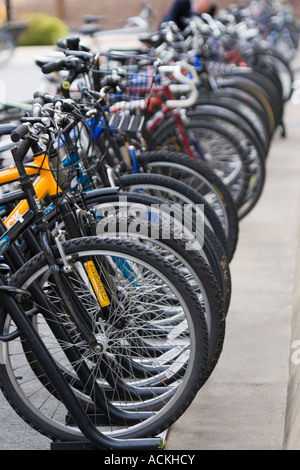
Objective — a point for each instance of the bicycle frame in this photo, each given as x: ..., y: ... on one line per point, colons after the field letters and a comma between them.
x: 158, y: 117
x: 43, y: 186
x: 21, y: 217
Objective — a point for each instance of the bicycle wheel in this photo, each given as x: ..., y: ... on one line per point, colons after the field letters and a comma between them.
x: 243, y: 110
x: 153, y: 334
x: 275, y: 62
x: 254, y: 104
x: 201, y: 178
x: 175, y: 192
x: 203, y: 240
x: 242, y: 83
x: 255, y: 154
x: 190, y: 264
x: 105, y: 205
x: 213, y: 144
x: 165, y: 237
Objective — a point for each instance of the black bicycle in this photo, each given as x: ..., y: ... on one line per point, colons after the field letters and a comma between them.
x: 102, y: 340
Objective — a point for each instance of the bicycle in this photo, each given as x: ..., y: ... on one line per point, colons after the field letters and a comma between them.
x: 59, y: 276
x: 240, y: 170
x: 45, y: 187
x: 227, y: 214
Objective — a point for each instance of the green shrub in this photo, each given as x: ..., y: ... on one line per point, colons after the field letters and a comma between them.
x: 42, y: 30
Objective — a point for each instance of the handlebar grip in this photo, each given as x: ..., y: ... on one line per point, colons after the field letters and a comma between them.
x: 83, y: 55
x: 73, y: 42
x: 55, y: 66
x: 19, y: 133
x: 44, y: 96
x: 62, y: 43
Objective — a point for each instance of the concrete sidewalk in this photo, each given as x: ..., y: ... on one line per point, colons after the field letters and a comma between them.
x: 251, y: 400
x: 245, y: 405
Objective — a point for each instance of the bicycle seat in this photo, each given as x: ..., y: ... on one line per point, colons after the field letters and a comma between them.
x: 89, y: 28
x: 93, y: 19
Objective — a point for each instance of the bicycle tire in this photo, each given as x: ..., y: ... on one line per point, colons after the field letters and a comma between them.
x: 244, y: 97
x: 212, y: 143
x: 256, y: 155
x: 244, y: 84
x: 200, y: 177
x: 105, y: 204
x: 281, y: 69
x: 207, y: 243
x: 174, y: 192
x: 196, y: 271
x: 30, y: 411
x: 246, y: 111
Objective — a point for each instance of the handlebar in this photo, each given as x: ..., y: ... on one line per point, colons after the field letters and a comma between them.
x: 44, y: 96
x: 83, y: 55
x: 19, y: 133
x: 76, y: 61
x: 66, y: 104
x: 72, y: 43
x: 31, y: 128
x: 56, y: 66
x: 186, y: 84
x: 125, y: 56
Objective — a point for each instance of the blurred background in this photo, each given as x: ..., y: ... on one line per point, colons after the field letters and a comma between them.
x: 72, y: 11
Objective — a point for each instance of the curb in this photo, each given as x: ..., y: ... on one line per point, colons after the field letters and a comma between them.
x: 252, y: 400
x: 292, y: 420
x: 291, y: 439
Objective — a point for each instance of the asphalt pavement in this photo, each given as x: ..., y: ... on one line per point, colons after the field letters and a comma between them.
x: 251, y: 400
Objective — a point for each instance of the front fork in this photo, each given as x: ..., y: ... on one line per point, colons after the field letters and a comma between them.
x: 190, y: 143
x: 72, y: 304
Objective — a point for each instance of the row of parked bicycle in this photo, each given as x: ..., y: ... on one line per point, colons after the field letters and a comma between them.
x: 122, y: 216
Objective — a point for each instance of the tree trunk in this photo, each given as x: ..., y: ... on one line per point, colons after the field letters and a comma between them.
x: 8, y: 10
x: 60, y: 9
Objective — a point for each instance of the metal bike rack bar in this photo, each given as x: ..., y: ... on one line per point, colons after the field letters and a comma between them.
x: 86, y: 445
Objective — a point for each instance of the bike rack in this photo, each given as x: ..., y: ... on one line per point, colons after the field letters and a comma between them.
x: 86, y: 445
x: 95, y: 440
